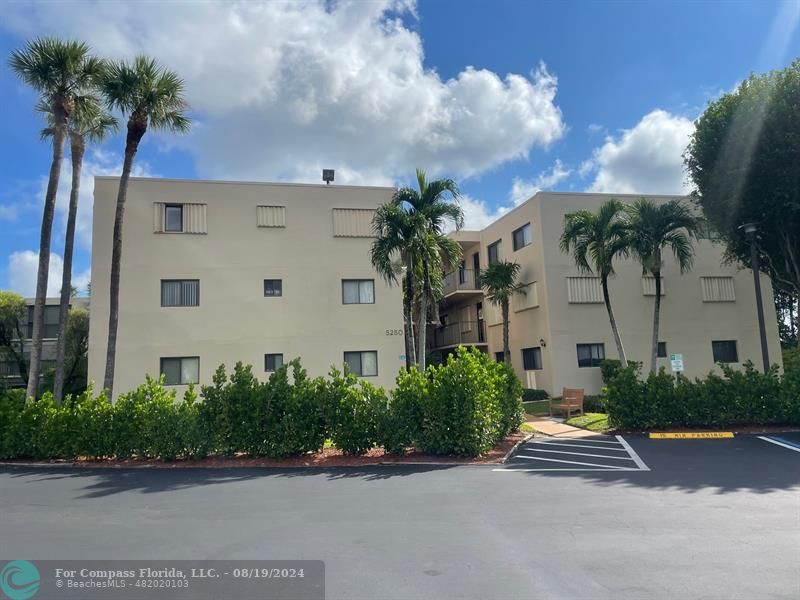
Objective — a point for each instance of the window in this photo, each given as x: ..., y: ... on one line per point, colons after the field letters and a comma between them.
x: 358, y: 291
x: 522, y: 236
x: 173, y: 217
x: 363, y: 364
x: 273, y: 362
x: 494, y: 252
x: 500, y: 357
x: 181, y: 370
x: 532, y: 359
x: 590, y: 355
x: 180, y: 292
x: 50, y: 325
x: 273, y: 287
x: 662, y: 350
x: 725, y: 351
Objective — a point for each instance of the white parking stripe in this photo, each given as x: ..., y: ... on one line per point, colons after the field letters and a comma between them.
x: 578, y: 446
x: 639, y: 462
x: 578, y: 454
x: 586, y: 440
x: 779, y: 443
x: 513, y: 470
x: 572, y: 462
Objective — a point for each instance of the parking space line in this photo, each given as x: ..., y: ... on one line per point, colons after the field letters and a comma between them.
x: 523, y: 470
x: 781, y: 442
x: 578, y: 446
x: 581, y: 454
x: 585, y: 440
x: 635, y: 457
x: 571, y: 462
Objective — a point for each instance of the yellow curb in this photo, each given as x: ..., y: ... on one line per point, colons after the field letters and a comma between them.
x: 688, y: 435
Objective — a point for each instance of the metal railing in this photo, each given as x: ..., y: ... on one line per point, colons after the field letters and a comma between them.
x: 465, y: 332
x: 460, y: 280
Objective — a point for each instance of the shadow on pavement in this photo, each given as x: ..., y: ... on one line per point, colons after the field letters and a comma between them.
x: 104, y: 481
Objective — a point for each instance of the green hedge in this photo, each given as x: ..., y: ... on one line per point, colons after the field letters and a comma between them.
x: 462, y: 407
x: 532, y: 395
x: 744, y: 396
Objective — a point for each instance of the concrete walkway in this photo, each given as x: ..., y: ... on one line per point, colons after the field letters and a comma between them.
x: 554, y: 428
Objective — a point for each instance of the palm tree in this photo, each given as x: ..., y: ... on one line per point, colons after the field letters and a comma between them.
x: 595, y: 240
x: 59, y: 71
x: 432, y: 211
x: 653, y: 229
x: 500, y: 281
x: 396, y: 233
x: 89, y: 122
x: 151, y: 96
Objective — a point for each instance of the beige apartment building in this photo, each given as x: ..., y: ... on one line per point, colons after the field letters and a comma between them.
x: 217, y: 272
x: 559, y: 329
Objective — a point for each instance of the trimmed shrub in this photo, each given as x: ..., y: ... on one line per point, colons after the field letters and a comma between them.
x: 402, y: 427
x: 744, y: 396
x: 358, y: 410
x: 529, y: 395
x: 512, y: 415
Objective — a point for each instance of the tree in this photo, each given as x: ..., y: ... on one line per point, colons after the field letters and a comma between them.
x: 76, y: 348
x: 152, y: 97
x: 743, y: 161
x: 652, y: 230
x: 59, y: 71
x: 13, y: 313
x: 500, y: 281
x: 595, y: 241
x: 90, y: 123
x: 431, y: 208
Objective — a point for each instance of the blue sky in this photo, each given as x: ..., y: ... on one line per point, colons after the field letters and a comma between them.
x: 507, y: 97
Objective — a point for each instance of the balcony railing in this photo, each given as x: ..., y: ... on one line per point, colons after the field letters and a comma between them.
x: 455, y: 334
x: 460, y: 280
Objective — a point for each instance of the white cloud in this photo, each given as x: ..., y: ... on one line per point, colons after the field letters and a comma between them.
x: 645, y: 159
x: 478, y: 214
x: 282, y: 89
x: 522, y: 189
x: 22, y: 269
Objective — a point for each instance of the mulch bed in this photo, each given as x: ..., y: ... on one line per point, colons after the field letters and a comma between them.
x: 329, y: 457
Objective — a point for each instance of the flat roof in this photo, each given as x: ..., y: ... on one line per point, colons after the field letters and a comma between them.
x: 232, y: 181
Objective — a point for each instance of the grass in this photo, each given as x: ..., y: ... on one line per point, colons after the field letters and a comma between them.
x: 537, y: 407
x: 590, y: 421
x: 527, y: 428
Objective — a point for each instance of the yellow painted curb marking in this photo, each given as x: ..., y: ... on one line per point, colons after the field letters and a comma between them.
x: 691, y: 435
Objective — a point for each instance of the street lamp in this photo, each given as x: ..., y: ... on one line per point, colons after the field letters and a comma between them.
x: 750, y: 230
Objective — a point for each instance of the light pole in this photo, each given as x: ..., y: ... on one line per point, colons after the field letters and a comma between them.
x: 750, y: 230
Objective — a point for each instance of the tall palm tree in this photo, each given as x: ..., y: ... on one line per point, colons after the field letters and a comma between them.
x: 58, y: 70
x: 396, y: 233
x: 152, y: 97
x: 652, y: 230
x: 500, y: 282
x: 595, y: 240
x: 89, y: 122
x: 433, y: 207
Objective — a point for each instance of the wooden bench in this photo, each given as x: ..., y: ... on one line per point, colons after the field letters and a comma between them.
x: 571, y: 400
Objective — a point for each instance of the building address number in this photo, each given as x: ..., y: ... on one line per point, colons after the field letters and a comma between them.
x: 394, y: 332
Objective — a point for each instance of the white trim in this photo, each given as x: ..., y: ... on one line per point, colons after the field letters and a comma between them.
x: 635, y: 457
x: 571, y: 462
x: 577, y: 454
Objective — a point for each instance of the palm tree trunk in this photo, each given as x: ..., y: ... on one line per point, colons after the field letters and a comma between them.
x: 116, y: 260
x: 408, y: 302
x: 77, y: 149
x: 35, y: 368
x: 656, y: 317
x: 423, y: 320
x: 506, y: 347
x: 613, y: 321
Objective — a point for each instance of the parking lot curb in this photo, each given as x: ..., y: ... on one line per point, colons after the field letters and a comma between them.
x: 511, y: 452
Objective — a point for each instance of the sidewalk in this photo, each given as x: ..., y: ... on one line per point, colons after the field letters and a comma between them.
x: 553, y: 428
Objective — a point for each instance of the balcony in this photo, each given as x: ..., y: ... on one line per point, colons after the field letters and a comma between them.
x: 467, y: 333
x: 461, y: 283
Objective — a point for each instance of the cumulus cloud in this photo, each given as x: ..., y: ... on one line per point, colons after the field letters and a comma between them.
x: 282, y: 89
x: 478, y: 214
x: 8, y: 212
x: 22, y: 269
x: 644, y: 159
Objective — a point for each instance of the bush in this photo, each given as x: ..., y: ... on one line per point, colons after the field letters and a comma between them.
x: 744, y: 396
x: 791, y: 360
x: 403, y: 424
x: 512, y: 415
x: 529, y: 395
x: 358, y: 410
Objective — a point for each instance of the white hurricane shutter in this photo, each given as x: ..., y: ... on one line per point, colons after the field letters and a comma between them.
x: 584, y: 290
x: 649, y: 286
x: 158, y: 217
x: 718, y: 289
x: 271, y: 216
x: 194, y: 218
x: 353, y: 222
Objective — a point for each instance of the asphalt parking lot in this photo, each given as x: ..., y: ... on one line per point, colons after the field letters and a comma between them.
x: 709, y: 519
